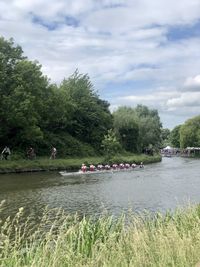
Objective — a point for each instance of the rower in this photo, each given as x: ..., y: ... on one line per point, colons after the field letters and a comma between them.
x: 99, y: 167
x: 121, y: 166
x: 127, y: 166
x: 114, y: 166
x: 107, y: 167
x: 92, y: 168
x: 133, y: 165
x: 83, y: 168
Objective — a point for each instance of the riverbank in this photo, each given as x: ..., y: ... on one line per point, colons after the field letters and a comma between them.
x: 135, y: 240
x: 70, y: 164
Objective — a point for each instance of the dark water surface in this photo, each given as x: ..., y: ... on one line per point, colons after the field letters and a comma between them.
x: 158, y: 187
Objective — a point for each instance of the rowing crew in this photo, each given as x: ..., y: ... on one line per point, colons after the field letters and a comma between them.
x: 107, y: 167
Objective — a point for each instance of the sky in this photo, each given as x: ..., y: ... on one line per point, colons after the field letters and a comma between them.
x: 135, y: 51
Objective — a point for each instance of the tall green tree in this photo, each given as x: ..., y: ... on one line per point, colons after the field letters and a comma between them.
x: 149, y: 127
x: 175, y: 136
x: 25, y: 104
x: 91, y: 116
x: 127, y: 128
x: 190, y: 133
x: 165, y: 137
x: 139, y: 128
x: 10, y: 55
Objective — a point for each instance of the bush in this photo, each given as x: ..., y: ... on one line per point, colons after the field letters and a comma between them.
x: 66, y: 146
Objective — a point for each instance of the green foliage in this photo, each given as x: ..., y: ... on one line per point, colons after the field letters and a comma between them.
x: 66, y: 145
x: 149, y: 127
x: 190, y: 133
x: 70, y: 116
x: 127, y: 127
x: 35, y: 113
x: 175, y: 136
x: 165, y: 137
x: 91, y: 117
x: 22, y: 97
x: 138, y: 128
x: 110, y: 144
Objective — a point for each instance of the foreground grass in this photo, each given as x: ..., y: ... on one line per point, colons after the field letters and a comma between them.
x: 41, y: 164
x: 169, y: 240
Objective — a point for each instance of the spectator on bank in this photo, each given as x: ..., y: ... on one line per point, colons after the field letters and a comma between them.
x: 5, y: 153
x: 53, y: 153
x: 31, y: 153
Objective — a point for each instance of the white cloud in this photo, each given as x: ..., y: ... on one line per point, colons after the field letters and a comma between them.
x: 143, y: 13
x: 115, y: 41
x: 187, y: 99
x: 192, y: 84
x: 168, y: 101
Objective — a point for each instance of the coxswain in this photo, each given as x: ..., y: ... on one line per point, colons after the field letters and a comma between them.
x: 83, y: 168
x: 141, y: 165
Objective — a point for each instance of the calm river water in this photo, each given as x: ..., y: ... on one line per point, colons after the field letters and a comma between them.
x: 158, y: 187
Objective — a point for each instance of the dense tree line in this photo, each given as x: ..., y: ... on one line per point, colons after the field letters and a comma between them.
x: 138, y: 129
x: 71, y: 116
x: 185, y: 135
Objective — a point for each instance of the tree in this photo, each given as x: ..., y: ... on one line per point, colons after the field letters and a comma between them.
x: 139, y: 128
x: 91, y: 117
x: 149, y: 127
x: 190, y: 133
x: 110, y: 144
x: 165, y: 135
x: 37, y: 113
x: 127, y: 128
x: 9, y: 56
x: 25, y: 104
x: 71, y: 116
x: 175, y: 136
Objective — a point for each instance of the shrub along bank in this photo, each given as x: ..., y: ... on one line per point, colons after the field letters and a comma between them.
x: 70, y: 164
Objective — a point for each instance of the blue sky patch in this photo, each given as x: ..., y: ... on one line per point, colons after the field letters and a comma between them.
x: 50, y: 25
x: 112, y: 5
x: 53, y: 25
x: 177, y: 33
x: 71, y: 21
x: 144, y: 66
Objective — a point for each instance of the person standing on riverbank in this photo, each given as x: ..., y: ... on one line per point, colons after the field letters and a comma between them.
x: 31, y: 153
x: 53, y: 153
x: 5, y: 153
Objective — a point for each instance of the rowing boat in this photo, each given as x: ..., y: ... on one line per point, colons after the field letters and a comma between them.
x: 65, y: 173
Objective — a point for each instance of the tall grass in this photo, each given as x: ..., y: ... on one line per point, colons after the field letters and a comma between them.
x: 63, y: 240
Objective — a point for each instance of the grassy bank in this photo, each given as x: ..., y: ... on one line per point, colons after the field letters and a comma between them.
x: 44, y: 164
x: 168, y: 240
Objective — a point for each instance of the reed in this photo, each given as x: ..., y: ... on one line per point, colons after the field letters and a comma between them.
x: 133, y: 240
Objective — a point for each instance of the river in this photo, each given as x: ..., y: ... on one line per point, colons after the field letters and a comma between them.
x: 158, y: 187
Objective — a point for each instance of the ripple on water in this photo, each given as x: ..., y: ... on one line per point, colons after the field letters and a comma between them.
x: 157, y: 187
